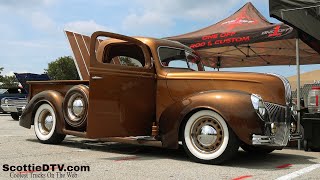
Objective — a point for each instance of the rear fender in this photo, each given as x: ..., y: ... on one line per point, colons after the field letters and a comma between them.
x: 234, y: 106
x: 53, y: 98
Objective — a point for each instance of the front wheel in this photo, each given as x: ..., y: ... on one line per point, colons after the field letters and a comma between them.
x: 45, y: 122
x: 208, y: 139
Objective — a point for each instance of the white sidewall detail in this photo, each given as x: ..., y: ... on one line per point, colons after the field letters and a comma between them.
x: 36, y: 121
x: 189, y: 144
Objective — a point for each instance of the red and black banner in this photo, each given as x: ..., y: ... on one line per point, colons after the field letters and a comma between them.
x: 246, y: 38
x: 272, y: 33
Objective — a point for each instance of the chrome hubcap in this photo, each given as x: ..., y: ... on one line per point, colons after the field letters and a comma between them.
x: 45, y: 122
x: 76, y: 107
x: 206, y: 134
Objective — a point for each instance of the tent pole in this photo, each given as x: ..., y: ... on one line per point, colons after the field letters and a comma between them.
x: 298, y: 88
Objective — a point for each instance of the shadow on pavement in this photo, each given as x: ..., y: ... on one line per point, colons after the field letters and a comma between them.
x: 141, y: 153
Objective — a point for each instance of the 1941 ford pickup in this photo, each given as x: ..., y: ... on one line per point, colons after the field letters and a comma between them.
x: 156, y: 92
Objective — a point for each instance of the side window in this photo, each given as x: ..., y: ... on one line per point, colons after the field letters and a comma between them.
x: 124, y: 54
x: 171, y: 57
x: 193, y: 61
x: 179, y: 58
x: 126, y: 61
x: 176, y: 64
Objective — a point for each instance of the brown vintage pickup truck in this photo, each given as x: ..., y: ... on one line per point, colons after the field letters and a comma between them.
x: 156, y: 92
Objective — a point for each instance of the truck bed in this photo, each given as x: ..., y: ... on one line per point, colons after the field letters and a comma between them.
x: 61, y: 86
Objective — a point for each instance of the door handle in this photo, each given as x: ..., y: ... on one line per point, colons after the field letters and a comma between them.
x: 96, y: 77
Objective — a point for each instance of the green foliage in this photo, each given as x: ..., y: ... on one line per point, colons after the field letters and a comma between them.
x: 62, y: 69
x: 7, y: 81
x: 128, y: 61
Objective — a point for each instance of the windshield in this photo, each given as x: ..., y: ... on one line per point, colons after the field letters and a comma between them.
x: 179, y: 58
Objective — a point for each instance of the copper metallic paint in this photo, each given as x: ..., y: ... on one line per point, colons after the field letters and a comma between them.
x: 51, y: 97
x: 166, y: 96
x: 234, y: 106
x: 122, y: 102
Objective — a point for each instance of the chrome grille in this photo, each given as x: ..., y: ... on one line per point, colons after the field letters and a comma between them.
x: 277, y: 113
x: 287, y: 88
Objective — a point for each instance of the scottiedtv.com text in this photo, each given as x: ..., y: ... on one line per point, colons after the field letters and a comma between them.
x: 44, y: 171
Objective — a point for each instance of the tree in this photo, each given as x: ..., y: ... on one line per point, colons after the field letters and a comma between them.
x: 62, y: 68
x: 8, y: 81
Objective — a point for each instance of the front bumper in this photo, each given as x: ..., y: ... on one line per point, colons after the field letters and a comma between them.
x: 9, y: 108
x: 271, y: 140
x: 12, y: 108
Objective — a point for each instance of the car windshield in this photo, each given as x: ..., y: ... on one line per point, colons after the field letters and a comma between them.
x: 2, y: 91
x: 179, y: 58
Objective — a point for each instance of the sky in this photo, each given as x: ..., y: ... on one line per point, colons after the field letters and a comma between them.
x: 31, y: 31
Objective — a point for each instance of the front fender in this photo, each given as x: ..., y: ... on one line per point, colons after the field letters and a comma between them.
x: 53, y: 98
x: 234, y: 106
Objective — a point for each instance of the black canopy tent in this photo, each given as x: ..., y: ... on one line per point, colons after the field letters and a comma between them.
x: 245, y: 39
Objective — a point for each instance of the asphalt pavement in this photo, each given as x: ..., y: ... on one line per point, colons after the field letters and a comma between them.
x: 107, y: 160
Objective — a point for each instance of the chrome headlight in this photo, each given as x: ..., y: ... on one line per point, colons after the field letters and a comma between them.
x: 259, y: 105
x: 6, y: 101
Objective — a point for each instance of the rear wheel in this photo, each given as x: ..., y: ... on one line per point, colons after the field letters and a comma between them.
x: 75, y: 107
x: 15, y: 116
x: 45, y: 122
x: 208, y: 139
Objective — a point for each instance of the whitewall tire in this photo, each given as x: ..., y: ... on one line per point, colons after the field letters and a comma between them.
x: 45, y: 122
x: 207, y: 138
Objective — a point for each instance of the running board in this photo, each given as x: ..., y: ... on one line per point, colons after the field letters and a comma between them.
x: 140, y: 140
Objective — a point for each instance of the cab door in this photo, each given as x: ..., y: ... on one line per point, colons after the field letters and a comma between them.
x: 122, y: 95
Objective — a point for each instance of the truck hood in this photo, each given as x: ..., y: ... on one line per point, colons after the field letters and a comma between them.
x: 270, y: 87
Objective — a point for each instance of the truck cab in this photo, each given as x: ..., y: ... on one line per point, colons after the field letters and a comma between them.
x: 156, y: 92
